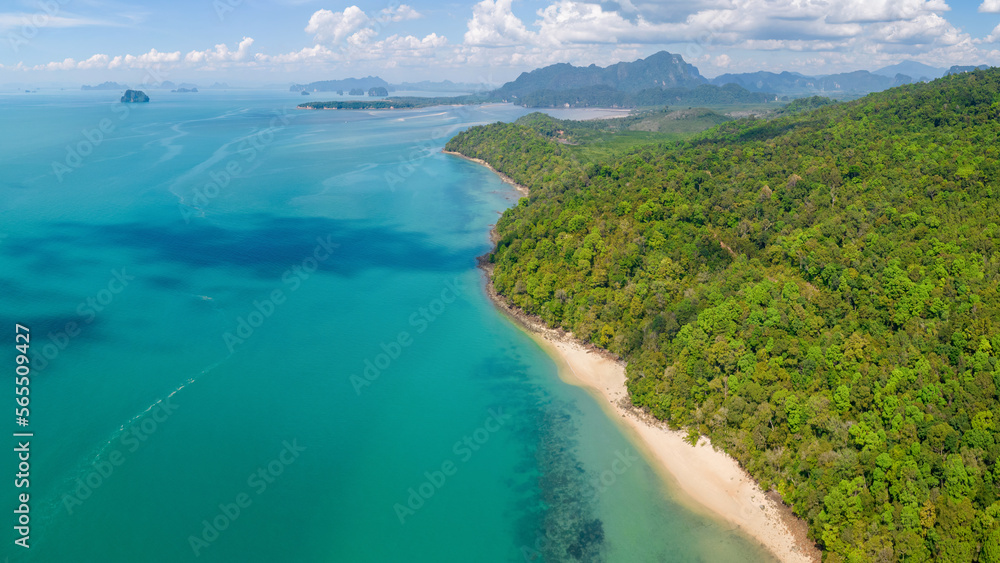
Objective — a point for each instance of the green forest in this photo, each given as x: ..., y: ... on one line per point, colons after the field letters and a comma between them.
x: 817, y: 292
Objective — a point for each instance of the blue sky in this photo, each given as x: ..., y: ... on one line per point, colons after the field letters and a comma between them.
x: 277, y: 41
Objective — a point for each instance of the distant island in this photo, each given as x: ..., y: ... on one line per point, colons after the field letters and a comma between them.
x: 351, y: 84
x: 378, y: 91
x: 304, y: 93
x: 185, y: 90
x: 134, y: 97
x: 402, y: 102
x: 105, y: 86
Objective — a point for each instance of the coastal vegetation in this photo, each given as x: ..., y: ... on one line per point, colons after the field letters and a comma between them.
x: 817, y: 292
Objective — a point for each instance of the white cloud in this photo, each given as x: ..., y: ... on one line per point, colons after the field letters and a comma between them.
x: 990, y: 6
x: 412, y: 43
x: 221, y: 53
x: 995, y: 36
x: 924, y: 29
x: 10, y: 20
x: 869, y: 11
x: 493, y: 24
x: 862, y: 30
x: 399, y: 13
x: 96, y: 61
x: 316, y: 53
x: 567, y: 21
x: 152, y: 58
x: 333, y: 27
x: 66, y: 64
x: 716, y: 34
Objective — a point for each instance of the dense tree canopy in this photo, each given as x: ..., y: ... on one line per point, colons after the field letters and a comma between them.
x: 816, y: 292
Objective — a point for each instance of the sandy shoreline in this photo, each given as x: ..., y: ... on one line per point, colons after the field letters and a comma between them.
x: 706, y: 479
x: 507, y: 179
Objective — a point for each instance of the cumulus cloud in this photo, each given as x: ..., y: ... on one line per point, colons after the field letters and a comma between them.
x: 990, y: 6
x: 65, y: 64
x: 152, y: 58
x: 995, y: 36
x: 719, y: 34
x: 96, y: 61
x: 924, y: 29
x: 316, y: 53
x: 221, y: 53
x: 399, y: 13
x: 157, y: 59
x: 493, y: 24
x: 870, y: 11
x: 863, y: 30
x: 334, y: 27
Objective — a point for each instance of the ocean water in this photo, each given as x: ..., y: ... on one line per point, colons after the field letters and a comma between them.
x: 258, y: 334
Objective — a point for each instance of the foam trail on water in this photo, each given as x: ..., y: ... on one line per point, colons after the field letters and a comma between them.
x: 55, y: 502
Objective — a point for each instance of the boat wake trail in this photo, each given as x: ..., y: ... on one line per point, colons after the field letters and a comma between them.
x: 83, y: 480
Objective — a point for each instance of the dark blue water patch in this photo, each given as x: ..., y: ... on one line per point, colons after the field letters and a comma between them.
x: 168, y: 283
x: 41, y: 325
x: 51, y: 336
x: 270, y: 247
x: 22, y: 291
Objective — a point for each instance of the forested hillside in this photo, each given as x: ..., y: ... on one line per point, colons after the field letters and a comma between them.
x: 816, y: 292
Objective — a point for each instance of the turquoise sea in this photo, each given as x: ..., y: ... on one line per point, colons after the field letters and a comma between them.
x: 258, y: 334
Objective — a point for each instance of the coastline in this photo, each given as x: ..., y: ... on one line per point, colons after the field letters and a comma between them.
x: 707, y: 479
x: 507, y: 179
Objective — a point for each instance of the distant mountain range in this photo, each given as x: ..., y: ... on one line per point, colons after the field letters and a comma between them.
x: 345, y: 84
x: 443, y: 86
x: 666, y: 71
x: 916, y: 70
x: 660, y: 79
x: 793, y: 83
x: 105, y: 86
x: 660, y: 70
